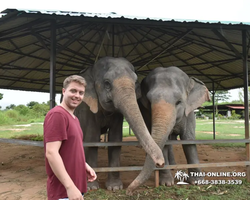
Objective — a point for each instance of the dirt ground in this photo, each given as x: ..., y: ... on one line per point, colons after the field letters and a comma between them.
x: 22, y: 171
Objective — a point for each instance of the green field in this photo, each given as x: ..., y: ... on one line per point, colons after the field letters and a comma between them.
x: 225, y: 129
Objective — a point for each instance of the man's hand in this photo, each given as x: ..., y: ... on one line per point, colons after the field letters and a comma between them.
x: 91, y: 175
x: 73, y: 193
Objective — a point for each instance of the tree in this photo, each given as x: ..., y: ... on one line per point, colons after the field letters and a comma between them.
x: 222, y: 95
x: 31, y: 104
x: 11, y: 106
x: 1, y: 96
x: 241, y: 95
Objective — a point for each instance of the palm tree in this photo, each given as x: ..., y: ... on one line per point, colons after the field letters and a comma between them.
x: 178, y: 174
x: 185, y: 176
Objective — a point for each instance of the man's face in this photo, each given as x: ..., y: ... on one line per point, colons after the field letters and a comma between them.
x: 73, y: 95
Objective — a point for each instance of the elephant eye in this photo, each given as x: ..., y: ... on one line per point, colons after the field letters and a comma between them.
x: 107, y: 85
x: 178, y: 102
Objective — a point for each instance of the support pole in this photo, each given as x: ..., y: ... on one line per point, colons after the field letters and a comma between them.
x: 213, y: 113
x: 246, y: 106
x: 113, y: 40
x: 157, y: 179
x: 52, y: 64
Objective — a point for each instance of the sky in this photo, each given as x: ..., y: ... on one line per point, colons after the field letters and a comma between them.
x: 218, y: 10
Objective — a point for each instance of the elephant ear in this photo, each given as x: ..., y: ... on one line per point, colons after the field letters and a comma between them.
x: 197, y: 94
x: 90, y: 97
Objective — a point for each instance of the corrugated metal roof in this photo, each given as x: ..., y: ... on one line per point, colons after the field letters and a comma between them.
x: 211, y: 52
x: 115, y: 15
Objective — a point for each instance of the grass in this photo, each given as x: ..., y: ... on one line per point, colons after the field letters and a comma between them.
x: 177, y: 192
x: 126, y: 130
x: 225, y: 129
x: 33, y: 131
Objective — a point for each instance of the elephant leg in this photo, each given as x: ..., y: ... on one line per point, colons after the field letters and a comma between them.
x: 171, y: 158
x: 115, y: 135
x: 190, y: 150
x: 166, y: 177
x: 91, y: 131
x: 192, y: 158
x: 91, y: 158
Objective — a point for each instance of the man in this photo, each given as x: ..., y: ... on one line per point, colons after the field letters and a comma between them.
x: 66, y: 168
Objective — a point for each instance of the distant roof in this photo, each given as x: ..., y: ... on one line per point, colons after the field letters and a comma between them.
x: 226, y: 106
x: 237, y: 107
x: 208, y: 50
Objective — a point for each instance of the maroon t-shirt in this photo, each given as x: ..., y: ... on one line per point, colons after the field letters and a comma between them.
x: 59, y: 125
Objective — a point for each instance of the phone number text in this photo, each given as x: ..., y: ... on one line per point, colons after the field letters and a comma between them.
x: 218, y: 182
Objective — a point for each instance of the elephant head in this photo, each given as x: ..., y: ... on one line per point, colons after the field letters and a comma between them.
x: 112, y: 86
x: 170, y: 95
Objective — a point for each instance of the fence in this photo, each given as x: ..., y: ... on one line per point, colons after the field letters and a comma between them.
x: 178, y: 166
x: 173, y: 142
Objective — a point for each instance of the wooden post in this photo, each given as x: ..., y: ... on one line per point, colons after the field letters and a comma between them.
x: 246, y: 106
x: 157, y: 178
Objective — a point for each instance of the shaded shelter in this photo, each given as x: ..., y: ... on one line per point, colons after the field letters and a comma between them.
x: 210, y: 51
x: 38, y: 49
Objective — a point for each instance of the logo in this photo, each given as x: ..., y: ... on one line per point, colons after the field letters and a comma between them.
x: 181, y: 176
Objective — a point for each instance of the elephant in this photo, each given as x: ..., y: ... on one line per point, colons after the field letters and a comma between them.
x: 168, y: 100
x: 111, y: 94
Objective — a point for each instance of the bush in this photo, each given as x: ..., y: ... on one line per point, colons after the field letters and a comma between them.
x: 12, y: 114
x: 4, y: 120
x: 234, y: 115
x: 220, y: 116
x: 22, y: 109
x: 40, y: 110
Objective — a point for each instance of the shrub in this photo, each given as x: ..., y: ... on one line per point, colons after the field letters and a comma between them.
x: 4, y: 120
x: 40, y: 110
x: 12, y: 114
x: 234, y: 115
x: 22, y: 109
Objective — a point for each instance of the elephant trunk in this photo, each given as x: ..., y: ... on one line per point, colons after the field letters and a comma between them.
x: 125, y: 100
x: 163, y: 118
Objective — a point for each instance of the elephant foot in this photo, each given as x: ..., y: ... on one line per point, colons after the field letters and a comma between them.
x: 194, y: 180
x: 114, y: 184
x: 195, y: 175
x: 166, y: 178
x: 93, y: 185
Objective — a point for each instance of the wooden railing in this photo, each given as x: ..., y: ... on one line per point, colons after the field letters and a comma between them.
x: 138, y: 168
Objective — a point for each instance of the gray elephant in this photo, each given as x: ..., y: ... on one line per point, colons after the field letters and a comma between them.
x: 168, y: 99
x: 110, y: 94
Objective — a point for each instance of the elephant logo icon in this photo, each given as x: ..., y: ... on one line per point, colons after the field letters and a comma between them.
x: 181, y: 176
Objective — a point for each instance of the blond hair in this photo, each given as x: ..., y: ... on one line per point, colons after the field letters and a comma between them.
x: 74, y: 78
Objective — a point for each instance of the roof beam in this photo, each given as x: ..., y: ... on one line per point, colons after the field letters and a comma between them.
x: 230, y: 46
x: 170, y: 45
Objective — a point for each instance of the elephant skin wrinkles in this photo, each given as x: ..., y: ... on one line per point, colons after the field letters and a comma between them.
x: 185, y: 94
x: 110, y: 94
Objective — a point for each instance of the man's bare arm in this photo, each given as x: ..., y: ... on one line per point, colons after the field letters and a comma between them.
x: 57, y: 166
